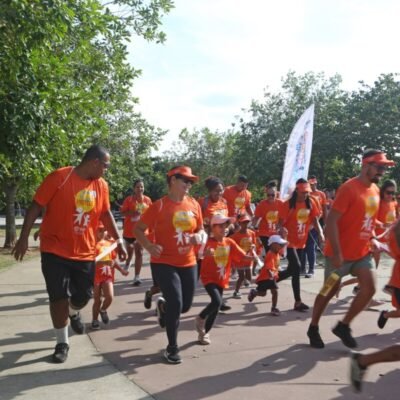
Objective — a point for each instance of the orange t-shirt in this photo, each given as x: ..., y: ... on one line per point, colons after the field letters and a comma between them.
x: 245, y: 241
x: 270, y: 213
x: 395, y: 253
x: 271, y: 263
x: 210, y: 208
x: 104, y: 269
x: 237, y: 201
x: 216, y: 268
x: 358, y: 206
x: 73, y: 209
x: 132, y: 204
x: 173, y: 223
x: 387, y: 215
x: 298, y: 221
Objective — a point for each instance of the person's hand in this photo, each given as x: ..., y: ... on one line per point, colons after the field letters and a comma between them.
x: 209, y: 252
x: 124, y: 272
x: 20, y: 249
x: 36, y: 235
x: 321, y: 239
x: 155, y: 250
x: 122, y: 255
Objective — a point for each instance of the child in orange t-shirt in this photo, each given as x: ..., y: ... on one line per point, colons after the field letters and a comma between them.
x: 104, y: 279
x: 269, y: 274
x: 247, y: 241
x: 219, y: 252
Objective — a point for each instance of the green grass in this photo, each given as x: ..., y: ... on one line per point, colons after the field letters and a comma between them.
x: 7, y: 260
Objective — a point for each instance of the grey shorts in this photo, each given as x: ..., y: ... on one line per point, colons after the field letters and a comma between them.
x: 348, y: 267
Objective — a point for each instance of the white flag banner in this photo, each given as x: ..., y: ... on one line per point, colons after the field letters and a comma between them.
x: 298, y: 153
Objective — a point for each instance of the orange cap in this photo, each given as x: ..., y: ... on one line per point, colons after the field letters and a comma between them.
x: 244, y: 218
x: 184, y: 171
x: 379, y: 158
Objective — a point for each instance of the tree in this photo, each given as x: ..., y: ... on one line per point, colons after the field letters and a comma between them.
x: 63, y: 79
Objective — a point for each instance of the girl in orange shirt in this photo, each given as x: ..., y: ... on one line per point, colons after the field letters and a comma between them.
x: 299, y: 212
x: 219, y: 252
x: 177, y: 226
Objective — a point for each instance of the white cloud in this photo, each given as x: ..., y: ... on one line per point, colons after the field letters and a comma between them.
x: 220, y: 54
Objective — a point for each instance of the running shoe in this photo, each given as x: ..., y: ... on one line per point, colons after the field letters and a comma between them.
x: 301, y: 307
x: 309, y: 275
x: 225, y: 307
x: 60, y: 354
x: 161, y: 311
x: 95, y: 325
x: 171, y: 354
x: 275, y: 312
x: 315, y: 338
x: 382, y: 319
x: 246, y: 283
x: 147, y: 299
x: 204, y: 339
x: 357, y: 372
x: 356, y: 289
x: 252, y: 294
x: 136, y: 281
x: 388, y: 290
x: 237, y: 295
x: 104, y: 317
x: 76, y: 324
x: 343, y: 332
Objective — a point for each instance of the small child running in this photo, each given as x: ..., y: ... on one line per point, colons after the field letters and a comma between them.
x: 269, y: 273
x: 219, y: 253
x: 247, y: 241
x: 104, y: 279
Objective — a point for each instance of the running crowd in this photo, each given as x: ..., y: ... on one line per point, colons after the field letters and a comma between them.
x: 211, y: 239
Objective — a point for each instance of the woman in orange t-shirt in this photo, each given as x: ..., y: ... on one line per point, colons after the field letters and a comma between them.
x: 387, y: 213
x: 132, y: 208
x: 177, y: 226
x: 218, y: 256
x: 299, y: 213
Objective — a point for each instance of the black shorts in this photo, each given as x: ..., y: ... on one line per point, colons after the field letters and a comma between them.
x: 129, y: 240
x: 263, y: 286
x: 396, y: 295
x: 68, y: 278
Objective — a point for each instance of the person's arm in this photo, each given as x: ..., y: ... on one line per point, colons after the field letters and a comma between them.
x: 31, y: 215
x: 109, y: 223
x: 154, y: 249
x: 319, y: 230
x: 332, y: 233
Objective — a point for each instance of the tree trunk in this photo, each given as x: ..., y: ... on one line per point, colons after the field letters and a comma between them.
x: 10, y: 190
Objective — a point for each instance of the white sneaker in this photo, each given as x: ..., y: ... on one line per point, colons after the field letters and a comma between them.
x: 237, y: 295
x: 204, y: 339
x: 136, y: 281
x: 200, y: 323
x: 246, y: 283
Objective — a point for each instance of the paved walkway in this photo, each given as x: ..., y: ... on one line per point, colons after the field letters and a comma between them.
x: 252, y: 356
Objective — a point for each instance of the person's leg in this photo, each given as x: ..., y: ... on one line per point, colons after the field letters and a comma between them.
x: 293, y: 270
x: 129, y: 245
x: 305, y: 255
x: 312, y: 250
x: 96, y: 302
x: 274, y: 293
x: 264, y: 241
x: 138, y: 259
x: 247, y: 274
x: 108, y: 293
x: 239, y: 281
x: 211, y: 311
x: 188, y: 279
x: 389, y: 354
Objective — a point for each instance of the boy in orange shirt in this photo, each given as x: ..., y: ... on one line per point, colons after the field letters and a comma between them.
x: 269, y: 273
x: 104, y: 278
x: 247, y: 241
x: 219, y: 252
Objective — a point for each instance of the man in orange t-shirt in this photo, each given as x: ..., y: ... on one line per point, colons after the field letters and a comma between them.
x: 76, y: 200
x: 238, y: 198
x: 349, y: 228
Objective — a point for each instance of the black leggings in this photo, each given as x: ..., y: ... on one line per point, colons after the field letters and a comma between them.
x: 211, y: 311
x: 177, y: 285
x: 293, y: 270
x: 264, y: 241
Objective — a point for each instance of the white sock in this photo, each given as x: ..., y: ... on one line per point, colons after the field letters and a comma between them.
x: 62, y: 335
x: 72, y: 311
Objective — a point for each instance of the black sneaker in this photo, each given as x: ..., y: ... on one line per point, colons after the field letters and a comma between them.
x: 382, y: 319
x: 343, y: 332
x: 161, y: 311
x: 104, y: 317
x: 225, y: 307
x: 147, y: 299
x: 60, y: 354
x: 315, y: 338
x: 301, y: 307
x: 171, y: 354
x: 76, y: 324
x: 357, y: 372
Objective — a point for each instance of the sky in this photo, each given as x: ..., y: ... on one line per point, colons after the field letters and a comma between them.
x: 222, y: 54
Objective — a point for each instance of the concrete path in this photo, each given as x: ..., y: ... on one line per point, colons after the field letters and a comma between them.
x: 253, y: 355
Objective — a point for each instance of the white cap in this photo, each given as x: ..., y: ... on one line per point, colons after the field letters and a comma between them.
x: 276, y: 239
x: 218, y: 219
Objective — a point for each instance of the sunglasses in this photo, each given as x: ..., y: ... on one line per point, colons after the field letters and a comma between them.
x: 184, y: 179
x: 392, y: 193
